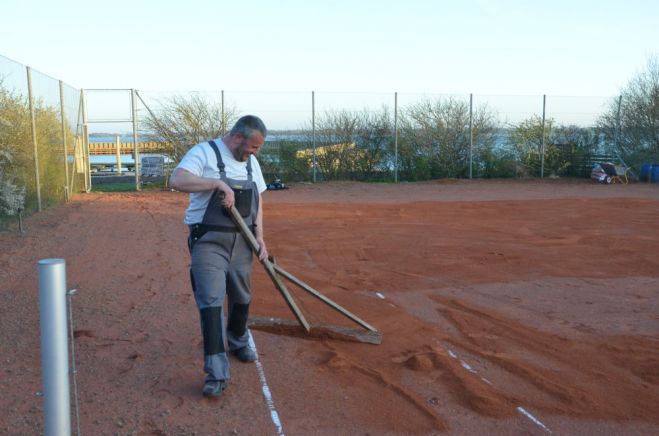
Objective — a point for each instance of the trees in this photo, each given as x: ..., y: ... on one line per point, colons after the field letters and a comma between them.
x: 435, y: 138
x: 526, y: 139
x: 283, y: 159
x: 335, y: 132
x: 12, y: 192
x: 637, y: 138
x: 354, y: 144
x: 17, y: 170
x: 183, y: 121
x: 567, y: 147
x: 15, y: 135
x: 433, y: 142
x: 374, y: 143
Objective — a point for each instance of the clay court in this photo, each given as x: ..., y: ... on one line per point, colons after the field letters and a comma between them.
x: 506, y: 307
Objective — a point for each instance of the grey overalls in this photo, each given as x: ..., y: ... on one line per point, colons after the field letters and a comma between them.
x: 222, y: 265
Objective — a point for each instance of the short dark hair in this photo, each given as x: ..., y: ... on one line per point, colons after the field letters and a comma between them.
x: 248, y: 125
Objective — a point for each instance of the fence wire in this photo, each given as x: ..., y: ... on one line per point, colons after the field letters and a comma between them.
x: 313, y: 136
x: 40, y: 126
x: 399, y: 136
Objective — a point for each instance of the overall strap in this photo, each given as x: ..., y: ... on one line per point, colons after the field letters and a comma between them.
x: 220, y: 162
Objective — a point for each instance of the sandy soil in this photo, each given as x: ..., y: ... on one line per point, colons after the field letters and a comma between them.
x: 506, y: 307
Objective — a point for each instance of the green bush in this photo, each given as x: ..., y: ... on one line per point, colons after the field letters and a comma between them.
x: 18, y: 185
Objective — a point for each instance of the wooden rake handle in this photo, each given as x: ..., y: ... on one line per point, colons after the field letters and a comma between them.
x: 254, y: 245
x: 323, y: 298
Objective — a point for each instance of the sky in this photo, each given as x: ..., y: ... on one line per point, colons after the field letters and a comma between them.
x: 507, y: 47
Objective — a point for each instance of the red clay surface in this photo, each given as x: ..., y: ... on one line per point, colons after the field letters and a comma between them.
x: 498, y: 295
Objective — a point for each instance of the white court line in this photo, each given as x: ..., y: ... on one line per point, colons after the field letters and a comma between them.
x: 466, y: 366
x: 266, y: 390
x: 532, y: 418
x: 487, y: 381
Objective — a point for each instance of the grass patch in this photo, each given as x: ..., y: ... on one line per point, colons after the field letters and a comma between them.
x: 124, y: 187
x: 113, y: 187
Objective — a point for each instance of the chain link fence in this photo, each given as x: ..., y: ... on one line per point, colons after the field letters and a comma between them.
x: 403, y: 136
x: 42, y: 155
x: 46, y: 128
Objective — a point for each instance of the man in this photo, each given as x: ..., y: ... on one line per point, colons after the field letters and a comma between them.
x: 219, y: 174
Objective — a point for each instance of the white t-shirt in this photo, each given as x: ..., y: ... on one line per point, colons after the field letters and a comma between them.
x: 201, y: 161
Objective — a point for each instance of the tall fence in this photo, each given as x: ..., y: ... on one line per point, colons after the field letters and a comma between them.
x: 46, y: 126
x: 400, y: 136
x: 42, y: 143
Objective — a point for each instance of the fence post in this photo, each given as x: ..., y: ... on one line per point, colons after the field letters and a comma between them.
x: 136, y: 148
x: 66, y: 154
x: 117, y: 140
x: 616, y: 139
x: 54, y: 347
x: 34, y: 136
x: 471, y: 134
x: 542, y: 158
x: 224, y: 124
x: 88, y: 165
x: 313, y: 132
x: 85, y: 141
x: 395, y: 137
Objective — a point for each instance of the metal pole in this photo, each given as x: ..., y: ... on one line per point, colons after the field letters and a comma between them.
x: 618, y: 119
x: 20, y: 221
x: 395, y: 137
x: 471, y: 135
x: 76, y: 403
x: 313, y: 131
x: 85, y: 141
x: 66, y: 157
x: 76, y: 142
x: 118, y: 143
x: 224, y: 124
x: 618, y: 132
x: 54, y: 347
x: 34, y: 136
x: 88, y: 165
x: 136, y: 149
x: 542, y: 158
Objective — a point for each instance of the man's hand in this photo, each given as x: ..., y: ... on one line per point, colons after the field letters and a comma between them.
x: 263, y: 254
x: 229, y: 197
x: 184, y: 181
